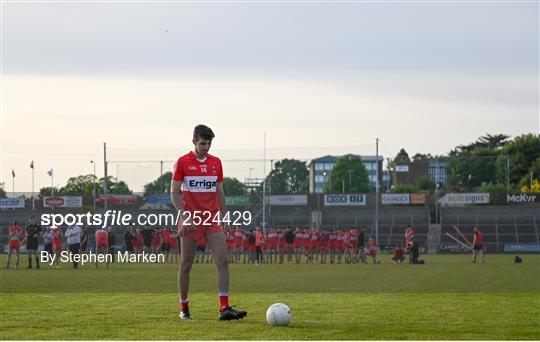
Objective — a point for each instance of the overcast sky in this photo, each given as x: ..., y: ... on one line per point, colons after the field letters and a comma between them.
x: 317, y: 78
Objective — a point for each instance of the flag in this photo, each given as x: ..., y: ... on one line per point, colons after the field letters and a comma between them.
x: 13, y: 173
x: 32, y: 164
x: 50, y: 172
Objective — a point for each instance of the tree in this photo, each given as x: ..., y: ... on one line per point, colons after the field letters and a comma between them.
x: 115, y: 188
x: 82, y: 185
x: 233, y: 187
x: 162, y: 185
x: 424, y: 183
x: 402, y: 157
x: 351, y: 171
x: 119, y: 188
x: 2, y: 191
x: 471, y: 165
x: 421, y: 156
x: 304, y: 186
x: 494, y: 142
x: 525, y: 183
x: 521, y: 153
x: 46, y: 191
x: 287, y: 176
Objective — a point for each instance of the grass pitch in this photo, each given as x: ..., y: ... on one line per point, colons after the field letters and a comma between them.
x: 447, y: 298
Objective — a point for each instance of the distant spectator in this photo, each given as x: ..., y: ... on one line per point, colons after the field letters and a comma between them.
x: 112, y: 243
x: 128, y: 241
x: 47, y: 241
x: 73, y: 239
x: 259, y: 236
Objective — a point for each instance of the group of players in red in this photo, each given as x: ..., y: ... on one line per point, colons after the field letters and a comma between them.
x: 275, y: 245
x: 279, y: 245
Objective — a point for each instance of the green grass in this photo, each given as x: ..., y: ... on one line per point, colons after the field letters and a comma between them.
x: 448, y: 298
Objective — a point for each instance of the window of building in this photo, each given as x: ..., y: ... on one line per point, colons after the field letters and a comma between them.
x: 319, y: 166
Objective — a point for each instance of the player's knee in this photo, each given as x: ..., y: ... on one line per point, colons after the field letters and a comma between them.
x: 221, y: 260
x: 187, y: 263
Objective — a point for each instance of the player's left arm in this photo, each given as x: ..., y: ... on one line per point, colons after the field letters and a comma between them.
x: 221, y: 199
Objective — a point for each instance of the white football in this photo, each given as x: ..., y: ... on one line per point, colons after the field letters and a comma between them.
x: 278, y: 315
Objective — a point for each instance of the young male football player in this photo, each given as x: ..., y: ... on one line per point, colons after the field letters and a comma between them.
x: 197, y: 187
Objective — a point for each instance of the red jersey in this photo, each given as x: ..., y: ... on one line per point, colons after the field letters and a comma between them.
x: 305, y: 239
x: 229, y: 235
x: 478, y: 238
x: 57, y: 236
x: 409, y: 236
x: 166, y: 236
x: 173, y: 241
x: 238, y: 235
x: 137, y: 240
x: 352, y: 239
x: 281, y: 239
x: 272, y: 239
x: 102, y: 237
x: 199, y: 182
x: 340, y: 241
x: 258, y: 238
x: 155, y: 238
x: 324, y: 239
x: 15, y: 233
x: 372, y: 245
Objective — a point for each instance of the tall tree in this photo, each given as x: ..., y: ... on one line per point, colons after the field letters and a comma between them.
x: 287, y: 176
x: 489, y: 141
x: 518, y: 156
x: 82, y: 185
x: 351, y: 171
x: 233, y: 187
x: 471, y: 165
x: 421, y: 156
x: 46, y: 191
x: 162, y: 185
x: 402, y: 157
x: 2, y: 191
x: 492, y: 141
x: 115, y: 188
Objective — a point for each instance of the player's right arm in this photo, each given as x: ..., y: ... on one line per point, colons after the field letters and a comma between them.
x: 176, y: 194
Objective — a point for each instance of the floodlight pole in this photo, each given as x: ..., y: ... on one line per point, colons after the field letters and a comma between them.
x: 105, y: 180
x: 264, y: 183
x: 377, y: 185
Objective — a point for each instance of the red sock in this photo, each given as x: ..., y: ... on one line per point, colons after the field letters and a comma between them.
x: 184, y: 306
x: 224, y: 302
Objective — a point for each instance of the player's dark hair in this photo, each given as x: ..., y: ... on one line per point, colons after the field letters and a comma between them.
x: 203, y: 132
